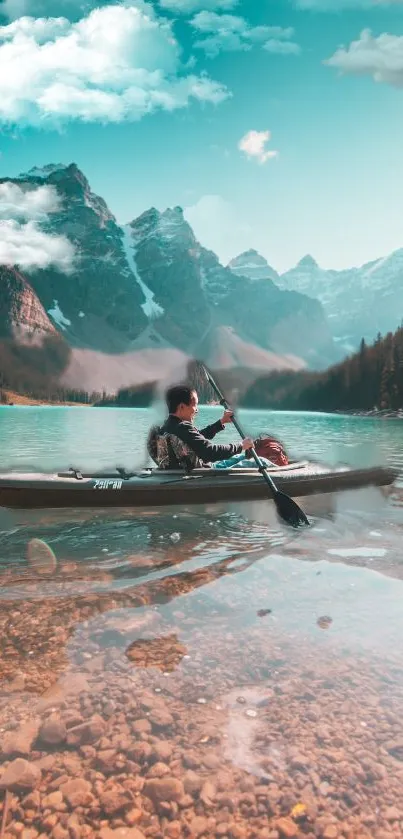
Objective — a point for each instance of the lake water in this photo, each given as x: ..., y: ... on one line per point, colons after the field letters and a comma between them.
x: 201, y: 672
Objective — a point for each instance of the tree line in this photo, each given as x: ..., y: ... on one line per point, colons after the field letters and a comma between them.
x: 35, y: 371
x: 371, y: 379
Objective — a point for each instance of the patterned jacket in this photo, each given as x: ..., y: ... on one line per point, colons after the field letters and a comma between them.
x: 179, y: 445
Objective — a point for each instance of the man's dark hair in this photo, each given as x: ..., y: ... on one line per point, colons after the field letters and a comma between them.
x: 178, y: 395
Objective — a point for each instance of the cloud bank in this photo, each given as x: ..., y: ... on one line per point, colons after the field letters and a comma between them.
x: 22, y: 242
x: 118, y: 63
x: 381, y: 58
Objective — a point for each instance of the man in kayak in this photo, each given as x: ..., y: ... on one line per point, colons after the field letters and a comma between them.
x: 178, y: 444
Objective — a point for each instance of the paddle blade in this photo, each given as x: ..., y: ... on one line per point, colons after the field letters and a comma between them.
x: 289, y: 511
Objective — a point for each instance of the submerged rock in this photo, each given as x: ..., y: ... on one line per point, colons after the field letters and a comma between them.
x: 20, y: 741
x: 164, y: 789
x: 20, y: 775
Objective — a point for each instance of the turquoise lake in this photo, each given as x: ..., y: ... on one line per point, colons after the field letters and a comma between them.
x: 224, y: 662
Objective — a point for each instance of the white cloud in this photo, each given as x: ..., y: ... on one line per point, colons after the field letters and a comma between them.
x: 282, y: 47
x: 119, y: 63
x: 253, y: 145
x: 189, y: 7
x: 22, y: 242
x: 231, y: 33
x: 42, y: 29
x: 28, y: 247
x: 218, y: 226
x: 33, y: 204
x: 381, y: 58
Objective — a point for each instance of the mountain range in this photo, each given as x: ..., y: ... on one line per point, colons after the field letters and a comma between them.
x: 358, y: 302
x: 142, y: 299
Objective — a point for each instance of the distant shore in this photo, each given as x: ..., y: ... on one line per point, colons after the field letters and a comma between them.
x: 19, y: 399
x: 384, y: 414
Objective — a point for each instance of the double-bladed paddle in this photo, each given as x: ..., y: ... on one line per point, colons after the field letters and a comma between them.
x: 287, y: 508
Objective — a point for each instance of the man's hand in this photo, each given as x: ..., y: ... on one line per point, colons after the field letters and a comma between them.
x: 247, y: 444
x: 227, y: 416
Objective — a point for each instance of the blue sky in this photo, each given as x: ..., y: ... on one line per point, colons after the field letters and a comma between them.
x: 276, y: 124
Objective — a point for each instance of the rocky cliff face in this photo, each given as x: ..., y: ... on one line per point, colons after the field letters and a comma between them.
x: 22, y: 315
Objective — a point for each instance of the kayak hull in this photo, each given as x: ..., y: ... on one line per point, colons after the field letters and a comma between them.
x: 151, y: 488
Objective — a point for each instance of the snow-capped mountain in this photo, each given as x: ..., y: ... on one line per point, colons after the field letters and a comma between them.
x: 149, y: 290
x: 41, y: 171
x: 254, y: 266
x: 197, y: 295
x: 359, y: 302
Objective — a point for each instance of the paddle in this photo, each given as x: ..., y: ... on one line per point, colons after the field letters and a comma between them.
x: 286, y: 507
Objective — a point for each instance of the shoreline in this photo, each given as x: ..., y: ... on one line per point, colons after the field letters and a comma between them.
x: 18, y: 399
x: 386, y: 413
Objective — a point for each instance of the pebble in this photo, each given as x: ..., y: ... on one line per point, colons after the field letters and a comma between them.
x: 208, y: 793
x: 20, y: 741
x: 142, y: 726
x: 133, y: 816
x: 330, y: 832
x: 192, y: 782
x: 161, y: 750
x: 161, y: 718
x: 77, y: 792
x: 20, y: 775
x: 53, y: 732
x: 114, y: 799
x: 287, y: 828
x: 54, y: 801
x: 86, y: 732
x: 198, y: 826
x: 159, y: 770
x: 164, y: 789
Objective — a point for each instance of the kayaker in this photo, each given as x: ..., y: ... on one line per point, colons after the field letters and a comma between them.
x: 178, y: 444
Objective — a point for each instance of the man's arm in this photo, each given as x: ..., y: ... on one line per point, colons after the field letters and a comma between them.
x: 206, y: 451
x: 211, y: 430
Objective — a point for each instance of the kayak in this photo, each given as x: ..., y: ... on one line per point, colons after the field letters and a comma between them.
x: 155, y: 488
